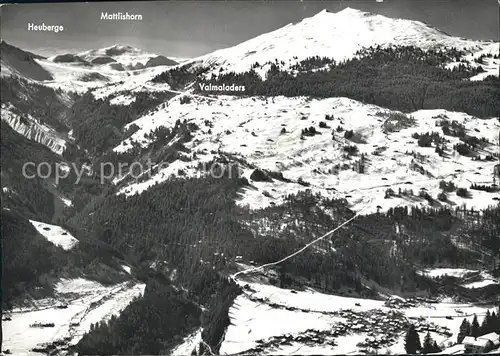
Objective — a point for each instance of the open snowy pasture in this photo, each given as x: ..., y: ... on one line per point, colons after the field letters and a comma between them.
x: 271, y: 320
x: 268, y: 134
x: 77, y: 303
x: 55, y: 234
x: 472, y: 279
x: 452, y: 272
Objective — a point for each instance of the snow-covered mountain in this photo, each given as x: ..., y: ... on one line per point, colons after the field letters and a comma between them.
x: 83, y: 70
x: 103, y: 67
x: 335, y: 35
x: 14, y: 61
x: 116, y: 57
x: 355, y: 157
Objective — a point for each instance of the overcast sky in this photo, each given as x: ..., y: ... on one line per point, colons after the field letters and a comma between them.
x: 192, y: 28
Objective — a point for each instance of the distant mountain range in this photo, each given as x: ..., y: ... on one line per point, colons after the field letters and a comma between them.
x: 107, y: 60
x: 118, y: 57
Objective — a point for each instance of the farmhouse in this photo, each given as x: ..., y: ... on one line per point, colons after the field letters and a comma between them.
x: 474, y: 345
x: 493, y: 337
x: 482, y: 343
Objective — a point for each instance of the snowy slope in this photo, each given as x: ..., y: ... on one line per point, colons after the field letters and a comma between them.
x: 32, y: 129
x: 486, y: 279
x: 270, y: 320
x: 127, y: 56
x: 71, y: 77
x: 251, y: 129
x: 14, y: 61
x: 334, y: 35
x: 76, y: 304
x: 55, y: 234
x: 102, y: 79
x: 132, y: 82
x: 491, y: 65
x: 116, y: 67
x: 189, y: 344
x: 452, y: 272
x: 469, y: 278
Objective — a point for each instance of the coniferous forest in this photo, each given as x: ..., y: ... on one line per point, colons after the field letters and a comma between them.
x: 401, y: 78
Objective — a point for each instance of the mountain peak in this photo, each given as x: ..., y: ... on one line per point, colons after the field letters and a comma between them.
x: 337, y: 35
x: 348, y: 12
x: 354, y: 12
x: 118, y: 49
x: 118, y: 46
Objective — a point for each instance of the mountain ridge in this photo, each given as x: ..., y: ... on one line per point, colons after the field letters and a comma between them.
x: 15, y: 61
x: 334, y: 35
x: 129, y: 57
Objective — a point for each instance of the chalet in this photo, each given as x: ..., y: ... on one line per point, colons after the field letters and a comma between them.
x: 479, y: 344
x: 494, y: 338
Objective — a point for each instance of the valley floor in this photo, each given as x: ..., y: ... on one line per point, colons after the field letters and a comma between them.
x: 270, y: 320
x: 77, y: 303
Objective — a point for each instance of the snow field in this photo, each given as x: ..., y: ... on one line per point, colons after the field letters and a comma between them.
x: 251, y: 128
x: 253, y: 320
x: 86, y: 302
x: 55, y: 234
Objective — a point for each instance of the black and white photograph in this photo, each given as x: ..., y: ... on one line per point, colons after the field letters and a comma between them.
x: 250, y: 177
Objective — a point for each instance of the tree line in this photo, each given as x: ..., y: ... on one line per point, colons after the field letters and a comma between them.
x: 401, y: 78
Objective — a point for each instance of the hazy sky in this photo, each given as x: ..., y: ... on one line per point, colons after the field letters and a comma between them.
x: 191, y: 28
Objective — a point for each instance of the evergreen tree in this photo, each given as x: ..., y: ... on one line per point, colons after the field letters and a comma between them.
x: 436, y: 348
x: 475, y: 329
x: 464, y: 330
x: 495, y: 320
x: 428, y: 345
x: 497, y: 324
x: 412, y: 340
x: 486, y: 325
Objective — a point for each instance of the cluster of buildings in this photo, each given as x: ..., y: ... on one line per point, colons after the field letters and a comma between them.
x: 488, y: 343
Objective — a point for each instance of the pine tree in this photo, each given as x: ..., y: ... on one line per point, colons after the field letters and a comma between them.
x: 464, y: 330
x: 435, y: 347
x: 495, y: 321
x: 475, y: 328
x: 412, y: 340
x: 428, y: 345
x: 486, y: 325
